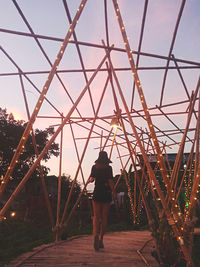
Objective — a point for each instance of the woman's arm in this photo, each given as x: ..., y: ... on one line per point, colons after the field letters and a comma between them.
x: 111, y: 184
x: 112, y: 187
x: 91, y: 180
x: 92, y: 175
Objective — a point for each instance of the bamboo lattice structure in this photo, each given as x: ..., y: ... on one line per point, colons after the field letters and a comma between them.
x: 107, y: 91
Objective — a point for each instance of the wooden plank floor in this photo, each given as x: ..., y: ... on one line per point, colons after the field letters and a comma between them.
x: 120, y: 251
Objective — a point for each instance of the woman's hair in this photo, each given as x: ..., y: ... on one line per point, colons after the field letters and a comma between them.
x: 103, y: 158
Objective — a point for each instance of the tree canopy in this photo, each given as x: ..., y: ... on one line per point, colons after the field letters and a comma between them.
x: 11, y: 131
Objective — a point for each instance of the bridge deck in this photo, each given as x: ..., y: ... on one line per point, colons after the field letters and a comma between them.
x: 120, y: 250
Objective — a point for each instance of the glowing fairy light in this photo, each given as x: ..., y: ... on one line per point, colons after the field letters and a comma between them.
x: 12, y: 214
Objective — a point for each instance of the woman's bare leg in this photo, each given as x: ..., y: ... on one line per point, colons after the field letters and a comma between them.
x: 104, y: 215
x: 96, y: 217
x: 96, y: 221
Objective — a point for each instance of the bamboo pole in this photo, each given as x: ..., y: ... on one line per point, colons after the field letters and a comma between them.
x: 196, y: 179
x: 113, y: 141
x: 49, y: 208
x: 83, y: 153
x: 171, y: 48
x: 140, y: 91
x: 26, y: 177
x: 45, y: 37
x: 101, y: 140
x: 182, y: 144
x: 59, y: 184
x: 168, y: 213
x: 122, y: 172
x: 41, y: 98
x: 188, y: 190
x: 185, y: 171
x: 139, y: 207
x: 43, y: 51
x: 77, y: 154
x: 139, y: 46
x: 65, y: 222
x: 127, y: 184
x: 161, y: 162
x: 79, y: 54
x: 107, y: 139
x: 136, y: 176
x: 78, y: 157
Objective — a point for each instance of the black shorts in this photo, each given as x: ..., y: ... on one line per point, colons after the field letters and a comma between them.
x: 104, y: 196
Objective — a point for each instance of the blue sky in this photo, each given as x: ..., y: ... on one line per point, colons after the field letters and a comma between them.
x: 48, y: 18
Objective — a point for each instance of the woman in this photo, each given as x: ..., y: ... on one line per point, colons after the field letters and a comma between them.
x: 102, y: 174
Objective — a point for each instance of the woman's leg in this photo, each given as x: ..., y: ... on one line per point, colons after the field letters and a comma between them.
x: 96, y: 221
x: 104, y: 214
x: 96, y: 217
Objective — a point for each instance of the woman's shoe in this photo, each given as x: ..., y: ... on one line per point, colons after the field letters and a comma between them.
x: 96, y: 242
x: 101, y: 243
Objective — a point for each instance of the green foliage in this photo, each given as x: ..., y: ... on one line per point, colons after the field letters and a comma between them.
x: 167, y: 243
x: 65, y: 190
x: 19, y: 237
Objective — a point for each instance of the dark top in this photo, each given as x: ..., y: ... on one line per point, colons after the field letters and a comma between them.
x: 102, y: 191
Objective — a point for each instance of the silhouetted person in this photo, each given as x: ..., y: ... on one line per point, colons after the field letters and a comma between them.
x: 102, y: 174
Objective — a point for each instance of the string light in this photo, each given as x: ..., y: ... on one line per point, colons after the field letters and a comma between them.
x: 12, y: 214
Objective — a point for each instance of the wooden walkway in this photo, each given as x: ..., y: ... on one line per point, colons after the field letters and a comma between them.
x: 120, y: 251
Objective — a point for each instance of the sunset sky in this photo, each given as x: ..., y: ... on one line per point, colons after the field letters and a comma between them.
x: 48, y: 18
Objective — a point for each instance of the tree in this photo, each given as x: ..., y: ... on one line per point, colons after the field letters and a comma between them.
x: 11, y: 131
